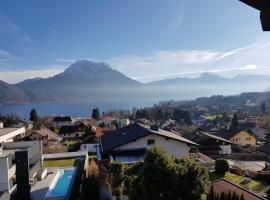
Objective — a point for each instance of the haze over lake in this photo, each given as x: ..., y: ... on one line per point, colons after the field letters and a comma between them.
x: 73, y: 109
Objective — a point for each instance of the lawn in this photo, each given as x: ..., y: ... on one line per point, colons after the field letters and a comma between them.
x: 257, y: 187
x: 70, y: 142
x: 212, y: 117
x: 59, y: 163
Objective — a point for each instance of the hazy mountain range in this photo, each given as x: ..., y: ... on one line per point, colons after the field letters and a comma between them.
x: 86, y: 81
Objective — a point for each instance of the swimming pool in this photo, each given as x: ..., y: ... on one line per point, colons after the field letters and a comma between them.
x: 61, y: 183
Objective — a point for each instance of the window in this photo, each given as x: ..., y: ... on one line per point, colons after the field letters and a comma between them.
x: 151, y: 142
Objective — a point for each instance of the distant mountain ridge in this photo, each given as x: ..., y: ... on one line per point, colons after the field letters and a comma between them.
x: 87, y: 81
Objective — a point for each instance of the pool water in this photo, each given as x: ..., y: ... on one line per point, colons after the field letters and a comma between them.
x: 61, y: 183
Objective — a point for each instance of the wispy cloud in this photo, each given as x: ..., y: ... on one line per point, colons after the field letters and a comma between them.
x: 188, y: 62
x: 245, y: 68
x: 178, y: 14
x: 10, y: 30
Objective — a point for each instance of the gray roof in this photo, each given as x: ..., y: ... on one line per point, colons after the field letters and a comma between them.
x: 132, y: 132
x: 216, y: 137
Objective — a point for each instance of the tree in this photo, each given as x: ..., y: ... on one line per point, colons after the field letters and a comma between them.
x: 159, y: 114
x: 33, y: 115
x: 222, y: 166
x: 163, y: 177
x: 234, y: 122
x: 263, y: 108
x: 117, y: 179
x: 182, y: 115
x: 95, y: 113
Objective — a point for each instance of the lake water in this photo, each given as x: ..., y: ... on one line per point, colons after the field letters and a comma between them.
x: 72, y: 109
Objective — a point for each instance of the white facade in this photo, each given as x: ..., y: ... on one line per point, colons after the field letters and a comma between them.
x: 1, y: 124
x: 225, y: 149
x: 7, y: 173
x: 91, y: 148
x: 172, y: 146
x: 8, y: 134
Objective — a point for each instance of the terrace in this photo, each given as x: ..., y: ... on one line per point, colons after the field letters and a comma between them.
x: 64, y: 176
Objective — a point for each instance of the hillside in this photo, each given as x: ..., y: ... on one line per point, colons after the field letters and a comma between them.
x: 10, y: 94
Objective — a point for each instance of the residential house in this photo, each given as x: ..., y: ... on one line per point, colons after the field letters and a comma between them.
x: 28, y: 124
x: 122, y: 122
x: 63, y: 121
x: 106, y: 121
x: 47, y: 137
x: 11, y: 134
x: 8, y: 159
x: 1, y: 124
x: 240, y: 137
x: 129, y: 143
x: 211, y: 145
x: 223, y: 185
x: 73, y: 131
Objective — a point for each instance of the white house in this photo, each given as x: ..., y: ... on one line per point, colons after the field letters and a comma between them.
x: 11, y: 134
x: 129, y: 143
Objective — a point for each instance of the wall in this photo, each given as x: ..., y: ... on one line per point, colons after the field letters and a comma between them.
x: 174, y: 147
x: 243, y: 138
x: 4, y: 185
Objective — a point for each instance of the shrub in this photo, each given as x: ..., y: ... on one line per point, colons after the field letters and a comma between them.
x: 117, y: 179
x: 222, y: 166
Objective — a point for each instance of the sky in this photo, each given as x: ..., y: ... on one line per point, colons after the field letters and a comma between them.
x: 145, y: 39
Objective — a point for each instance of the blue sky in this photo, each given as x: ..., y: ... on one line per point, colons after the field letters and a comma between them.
x: 145, y: 39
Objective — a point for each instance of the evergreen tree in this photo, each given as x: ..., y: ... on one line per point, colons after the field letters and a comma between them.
x: 33, y: 115
x: 263, y: 108
x: 95, y: 113
x: 234, y: 122
x: 268, y: 194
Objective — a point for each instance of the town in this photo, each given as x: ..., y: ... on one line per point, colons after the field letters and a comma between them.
x: 106, y: 155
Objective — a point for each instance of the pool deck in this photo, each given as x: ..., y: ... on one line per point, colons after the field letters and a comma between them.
x: 40, y: 189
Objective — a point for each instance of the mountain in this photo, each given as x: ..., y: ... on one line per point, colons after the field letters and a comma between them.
x: 10, y: 94
x: 206, y: 78
x: 86, y: 81
x: 82, y: 81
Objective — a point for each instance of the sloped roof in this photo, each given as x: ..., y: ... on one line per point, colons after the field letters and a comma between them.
x: 228, y: 134
x: 223, y: 185
x: 132, y: 132
x: 212, y: 136
x: 62, y: 119
x: 44, y: 132
x: 72, y: 128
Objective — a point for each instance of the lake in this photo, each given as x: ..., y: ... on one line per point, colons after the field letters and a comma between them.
x: 72, y: 109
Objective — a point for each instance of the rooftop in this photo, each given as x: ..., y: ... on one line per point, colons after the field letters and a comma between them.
x: 113, y: 139
x: 223, y: 185
x: 4, y: 131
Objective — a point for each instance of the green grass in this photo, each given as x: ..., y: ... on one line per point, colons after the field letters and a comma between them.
x: 212, y: 117
x: 70, y: 142
x: 59, y: 163
x: 255, y: 186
